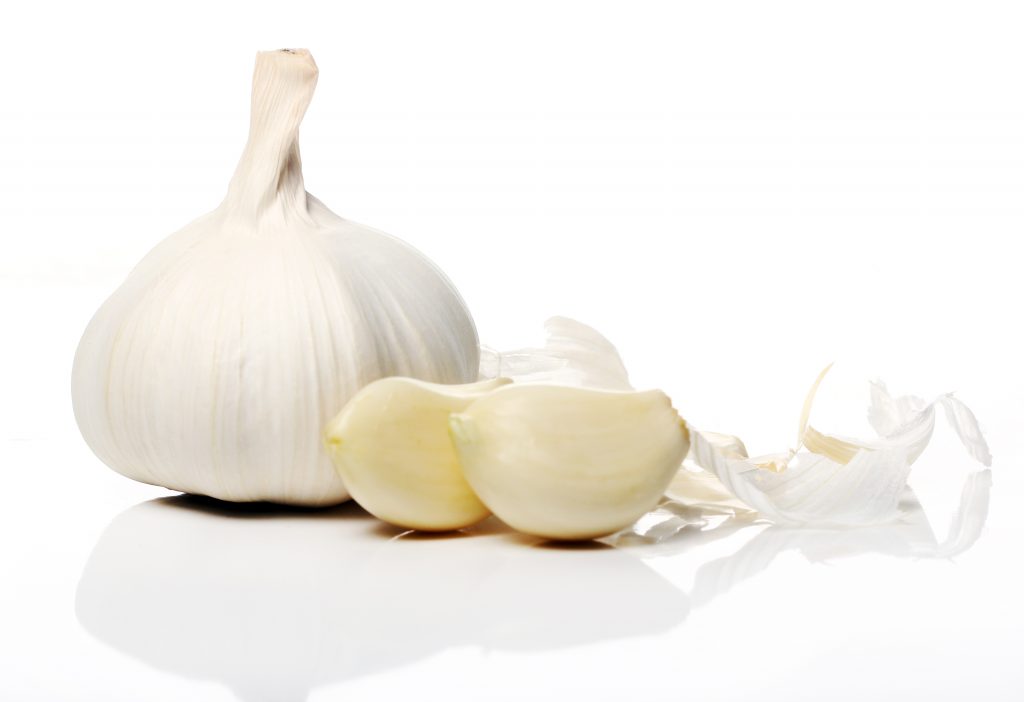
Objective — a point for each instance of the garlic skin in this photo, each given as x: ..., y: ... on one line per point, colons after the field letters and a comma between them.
x: 827, y: 480
x: 391, y: 447
x: 573, y: 354
x: 214, y: 367
x: 569, y: 463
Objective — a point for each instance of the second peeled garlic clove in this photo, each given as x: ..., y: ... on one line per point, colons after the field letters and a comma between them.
x: 391, y: 447
x: 569, y: 463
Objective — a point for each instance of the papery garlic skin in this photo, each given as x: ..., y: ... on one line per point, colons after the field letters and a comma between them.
x: 214, y: 367
x: 832, y: 481
x: 573, y: 354
x: 569, y: 463
x: 391, y: 447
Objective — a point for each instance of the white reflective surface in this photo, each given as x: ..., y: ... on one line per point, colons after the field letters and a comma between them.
x: 186, y: 598
x: 274, y: 603
x: 277, y: 605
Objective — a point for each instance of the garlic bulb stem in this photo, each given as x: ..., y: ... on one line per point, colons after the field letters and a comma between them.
x: 270, y: 170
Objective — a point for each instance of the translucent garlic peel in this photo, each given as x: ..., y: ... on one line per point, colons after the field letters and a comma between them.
x: 839, y: 450
x: 900, y: 418
x: 805, y: 411
x: 703, y: 490
x: 813, y: 488
x: 569, y: 463
x: 574, y: 354
x: 214, y: 367
x: 837, y: 481
x: 391, y: 447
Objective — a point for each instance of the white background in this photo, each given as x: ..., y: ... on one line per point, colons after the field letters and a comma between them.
x: 735, y: 193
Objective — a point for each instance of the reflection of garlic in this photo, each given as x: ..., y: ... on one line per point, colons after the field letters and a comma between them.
x: 213, y: 368
x: 280, y: 609
x: 569, y: 463
x: 391, y: 447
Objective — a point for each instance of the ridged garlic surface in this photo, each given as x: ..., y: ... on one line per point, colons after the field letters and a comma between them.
x: 569, y: 463
x: 214, y: 367
x: 391, y: 447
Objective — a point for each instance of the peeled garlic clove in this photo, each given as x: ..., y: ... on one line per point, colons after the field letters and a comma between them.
x: 391, y: 448
x: 214, y: 367
x: 569, y: 463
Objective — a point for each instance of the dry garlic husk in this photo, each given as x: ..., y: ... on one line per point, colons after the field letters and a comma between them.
x: 569, y: 463
x: 391, y: 447
x: 833, y: 481
x: 573, y: 354
x: 215, y: 366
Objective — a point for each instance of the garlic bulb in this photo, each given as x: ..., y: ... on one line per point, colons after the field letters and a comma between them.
x: 214, y: 367
x: 391, y: 447
x: 569, y: 463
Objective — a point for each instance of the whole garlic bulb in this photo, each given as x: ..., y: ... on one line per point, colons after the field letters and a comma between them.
x: 214, y: 367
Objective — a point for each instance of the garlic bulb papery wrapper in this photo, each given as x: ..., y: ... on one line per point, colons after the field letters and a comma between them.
x: 215, y: 366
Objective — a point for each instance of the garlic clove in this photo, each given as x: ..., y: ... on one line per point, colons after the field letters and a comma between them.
x: 391, y: 448
x: 569, y: 463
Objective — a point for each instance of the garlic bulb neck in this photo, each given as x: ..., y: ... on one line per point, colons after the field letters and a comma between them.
x: 270, y: 170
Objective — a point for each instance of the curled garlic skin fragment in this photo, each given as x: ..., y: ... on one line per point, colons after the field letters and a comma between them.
x: 574, y: 354
x: 391, y: 447
x: 569, y: 463
x: 214, y: 367
x: 835, y: 481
